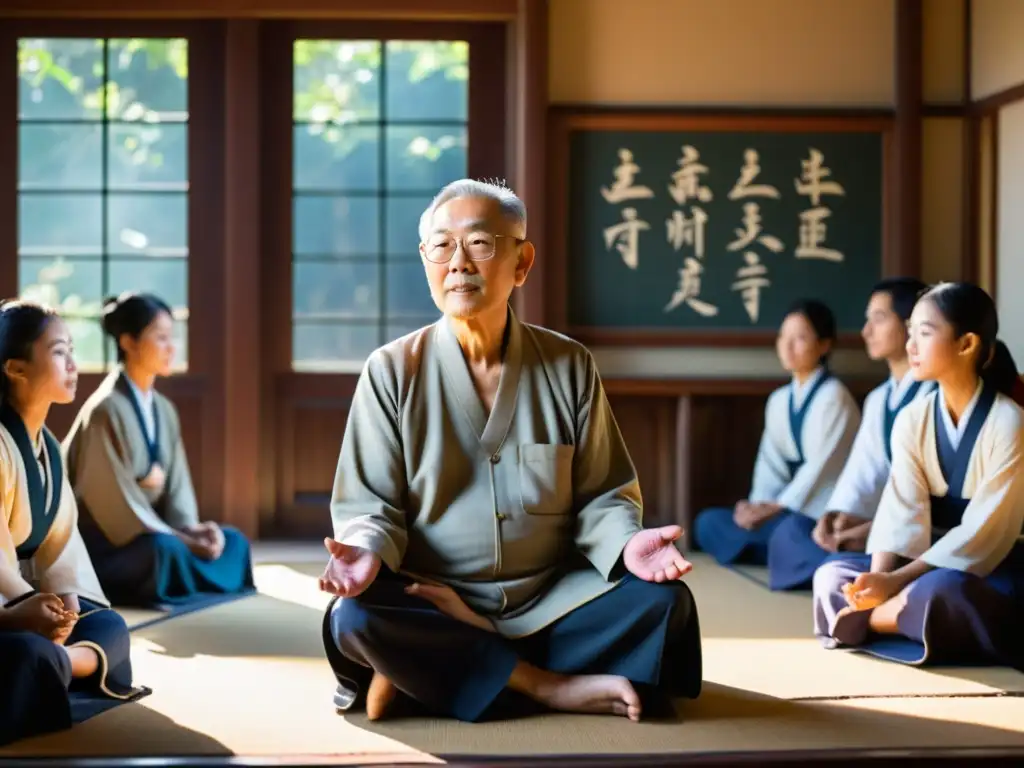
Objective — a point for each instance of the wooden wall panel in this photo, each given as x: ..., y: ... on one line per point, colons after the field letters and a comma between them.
x: 311, y: 413
x: 725, y: 433
x: 317, y: 431
x: 648, y: 427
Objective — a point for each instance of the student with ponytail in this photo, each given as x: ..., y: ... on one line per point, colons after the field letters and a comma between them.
x: 64, y: 655
x: 127, y: 464
x: 943, y: 577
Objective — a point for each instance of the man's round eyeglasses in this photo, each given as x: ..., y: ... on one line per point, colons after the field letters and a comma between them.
x: 479, y: 246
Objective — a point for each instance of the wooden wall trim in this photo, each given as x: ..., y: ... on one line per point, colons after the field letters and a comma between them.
x: 992, y: 254
x: 934, y: 109
x: 611, y: 337
x: 683, y: 468
x: 905, y: 226
x: 240, y: 336
x: 8, y: 165
x: 695, y: 387
x: 206, y: 238
x: 970, y: 200
x: 991, y: 105
x: 469, y: 10
x: 528, y: 89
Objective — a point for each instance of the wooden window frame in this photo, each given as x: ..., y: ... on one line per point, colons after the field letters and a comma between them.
x: 300, y: 397
x: 204, y: 181
x: 238, y: 399
x: 485, y: 126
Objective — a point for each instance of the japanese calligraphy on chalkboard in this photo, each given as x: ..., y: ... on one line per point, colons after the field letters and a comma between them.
x: 704, y: 230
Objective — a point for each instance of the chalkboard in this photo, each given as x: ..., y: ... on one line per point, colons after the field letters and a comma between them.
x: 707, y: 230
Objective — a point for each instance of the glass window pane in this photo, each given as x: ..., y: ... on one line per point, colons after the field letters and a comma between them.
x: 148, y: 78
x: 407, y: 290
x: 180, y: 345
x: 60, y: 156
x: 427, y: 80
x: 323, y: 347
x: 147, y: 155
x: 402, y: 218
x: 60, y: 225
x: 148, y: 224
x: 167, y: 278
x: 74, y: 286
x: 339, y: 290
x: 336, y: 226
x: 60, y: 78
x: 425, y: 158
x: 89, y: 341
x: 336, y: 80
x: 336, y: 158
x: 396, y: 329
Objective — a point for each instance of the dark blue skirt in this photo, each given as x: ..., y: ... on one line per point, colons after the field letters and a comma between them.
x: 37, y: 692
x: 950, y: 617
x: 793, y: 557
x: 158, y: 570
x: 715, y: 533
x: 783, y: 543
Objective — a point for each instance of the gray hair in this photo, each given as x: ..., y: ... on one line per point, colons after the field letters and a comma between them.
x: 512, y: 207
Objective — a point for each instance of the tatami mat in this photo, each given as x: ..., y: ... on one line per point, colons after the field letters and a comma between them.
x: 250, y: 678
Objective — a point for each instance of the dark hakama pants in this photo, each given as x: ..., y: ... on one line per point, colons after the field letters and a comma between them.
x: 715, y: 533
x: 37, y: 692
x: 950, y: 617
x: 793, y: 556
x: 34, y: 677
x: 645, y: 632
x: 783, y: 543
x: 157, y: 569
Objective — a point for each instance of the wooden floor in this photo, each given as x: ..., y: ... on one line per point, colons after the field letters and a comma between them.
x: 246, y: 683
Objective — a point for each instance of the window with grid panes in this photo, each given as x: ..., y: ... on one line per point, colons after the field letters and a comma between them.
x: 379, y: 127
x: 103, y: 179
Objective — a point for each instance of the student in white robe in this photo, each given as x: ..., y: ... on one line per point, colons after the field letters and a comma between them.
x: 810, y: 426
x: 844, y: 528
x: 64, y: 655
x: 127, y: 464
x: 943, y: 577
x: 481, y: 454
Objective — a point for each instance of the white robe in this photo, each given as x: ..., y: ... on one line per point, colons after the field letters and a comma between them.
x: 860, y: 486
x: 61, y: 565
x: 994, y: 484
x: 829, y: 428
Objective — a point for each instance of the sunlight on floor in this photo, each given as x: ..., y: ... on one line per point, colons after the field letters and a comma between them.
x: 797, y: 669
x: 283, y: 582
x: 250, y: 703
x: 1005, y: 712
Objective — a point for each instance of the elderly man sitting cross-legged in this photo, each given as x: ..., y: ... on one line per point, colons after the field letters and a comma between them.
x: 483, y: 468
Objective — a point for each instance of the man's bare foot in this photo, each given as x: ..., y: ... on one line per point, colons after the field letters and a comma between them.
x: 379, y: 696
x: 590, y: 694
x: 594, y: 694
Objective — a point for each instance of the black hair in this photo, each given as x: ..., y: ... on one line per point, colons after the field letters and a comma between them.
x: 22, y: 324
x: 821, y: 319
x: 904, y: 292
x: 130, y: 313
x: 1001, y: 372
x: 969, y: 309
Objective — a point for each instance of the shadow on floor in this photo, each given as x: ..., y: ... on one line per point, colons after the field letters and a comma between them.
x: 131, y: 730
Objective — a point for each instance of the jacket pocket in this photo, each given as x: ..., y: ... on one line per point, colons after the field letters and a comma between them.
x: 545, y: 479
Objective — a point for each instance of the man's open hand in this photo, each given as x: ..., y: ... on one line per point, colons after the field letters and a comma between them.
x: 350, y: 571
x: 651, y: 555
